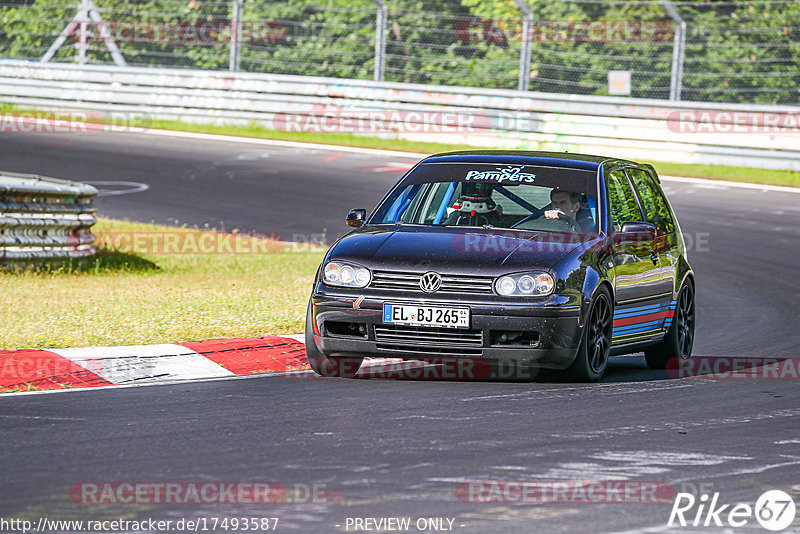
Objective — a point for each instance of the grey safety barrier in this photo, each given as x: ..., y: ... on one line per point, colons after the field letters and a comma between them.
x: 45, y: 218
x: 757, y: 136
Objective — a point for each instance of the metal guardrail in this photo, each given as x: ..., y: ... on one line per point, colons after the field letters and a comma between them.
x: 45, y: 218
x: 621, y: 127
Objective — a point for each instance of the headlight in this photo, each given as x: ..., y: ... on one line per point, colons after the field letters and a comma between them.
x: 524, y: 285
x: 338, y: 273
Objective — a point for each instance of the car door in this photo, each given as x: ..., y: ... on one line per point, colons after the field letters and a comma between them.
x: 641, y: 304
x: 657, y: 212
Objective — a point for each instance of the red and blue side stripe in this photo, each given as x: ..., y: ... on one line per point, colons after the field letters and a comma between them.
x: 642, y: 319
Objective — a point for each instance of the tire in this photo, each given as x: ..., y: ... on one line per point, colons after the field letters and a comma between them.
x: 592, y: 358
x: 678, y: 341
x: 321, y: 364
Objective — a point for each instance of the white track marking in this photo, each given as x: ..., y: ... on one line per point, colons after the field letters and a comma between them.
x: 632, y: 464
x: 736, y: 472
x: 140, y: 363
x: 165, y: 364
x: 154, y: 383
x: 43, y: 418
x: 276, y: 142
x: 667, y: 458
x: 678, y: 425
x: 133, y: 187
x: 719, y: 184
x: 419, y: 155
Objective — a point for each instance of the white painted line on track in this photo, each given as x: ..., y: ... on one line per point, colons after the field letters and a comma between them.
x: 278, y: 142
x: 719, y: 184
x: 420, y: 155
x: 133, y: 187
x: 153, y: 383
x: 135, y: 363
x: 163, y: 364
x: 737, y: 472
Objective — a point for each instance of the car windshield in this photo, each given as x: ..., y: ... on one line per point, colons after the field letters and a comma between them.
x: 520, y: 197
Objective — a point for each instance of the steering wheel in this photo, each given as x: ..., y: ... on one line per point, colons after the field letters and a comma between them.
x: 569, y: 220
x: 526, y: 219
x: 562, y: 219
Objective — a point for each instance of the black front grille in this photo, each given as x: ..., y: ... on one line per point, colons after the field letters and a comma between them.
x: 428, y: 341
x: 451, y: 283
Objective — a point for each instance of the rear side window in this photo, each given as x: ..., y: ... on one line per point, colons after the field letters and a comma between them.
x: 623, y: 204
x: 654, y: 204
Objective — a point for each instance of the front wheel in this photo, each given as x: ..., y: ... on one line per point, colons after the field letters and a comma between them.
x: 678, y: 341
x: 595, y: 347
x: 321, y: 364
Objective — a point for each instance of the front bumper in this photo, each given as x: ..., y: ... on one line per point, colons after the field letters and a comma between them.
x: 558, y: 332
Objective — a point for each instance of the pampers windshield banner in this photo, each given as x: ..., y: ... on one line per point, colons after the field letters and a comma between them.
x: 501, y: 174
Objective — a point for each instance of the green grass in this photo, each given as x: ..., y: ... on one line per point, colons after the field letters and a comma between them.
x: 733, y: 174
x: 311, y: 137
x: 127, y: 297
x: 712, y: 172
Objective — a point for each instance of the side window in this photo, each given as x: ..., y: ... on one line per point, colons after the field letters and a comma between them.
x: 623, y: 204
x: 654, y: 204
x: 435, y: 200
x: 409, y: 215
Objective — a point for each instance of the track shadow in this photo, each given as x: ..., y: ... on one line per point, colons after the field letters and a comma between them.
x: 105, y: 261
x: 621, y: 369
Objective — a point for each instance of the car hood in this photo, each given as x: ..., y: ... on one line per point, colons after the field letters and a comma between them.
x: 451, y: 249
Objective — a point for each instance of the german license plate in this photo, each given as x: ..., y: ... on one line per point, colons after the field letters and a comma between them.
x: 411, y: 314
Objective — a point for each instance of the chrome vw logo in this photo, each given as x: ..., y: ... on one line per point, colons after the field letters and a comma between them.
x: 430, y: 282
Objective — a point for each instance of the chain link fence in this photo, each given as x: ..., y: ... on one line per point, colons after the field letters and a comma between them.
x: 721, y: 51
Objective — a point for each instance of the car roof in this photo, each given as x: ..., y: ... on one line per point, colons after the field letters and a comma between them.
x: 524, y: 157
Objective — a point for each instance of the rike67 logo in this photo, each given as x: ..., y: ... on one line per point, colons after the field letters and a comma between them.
x: 774, y: 510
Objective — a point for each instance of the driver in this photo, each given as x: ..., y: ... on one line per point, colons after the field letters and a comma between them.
x: 568, y: 203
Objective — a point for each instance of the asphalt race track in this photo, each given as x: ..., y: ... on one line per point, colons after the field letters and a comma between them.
x: 399, y: 448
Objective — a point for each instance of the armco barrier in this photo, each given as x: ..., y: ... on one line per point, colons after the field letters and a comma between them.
x: 45, y: 218
x: 652, y: 130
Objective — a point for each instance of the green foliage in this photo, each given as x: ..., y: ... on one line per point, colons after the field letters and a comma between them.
x: 623, y: 203
x: 735, y: 51
x: 654, y: 206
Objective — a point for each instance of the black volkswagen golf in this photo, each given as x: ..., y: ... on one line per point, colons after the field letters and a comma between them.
x: 533, y: 260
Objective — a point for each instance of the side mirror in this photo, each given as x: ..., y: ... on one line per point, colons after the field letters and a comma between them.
x: 634, y: 227
x: 633, y: 233
x: 355, y: 219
